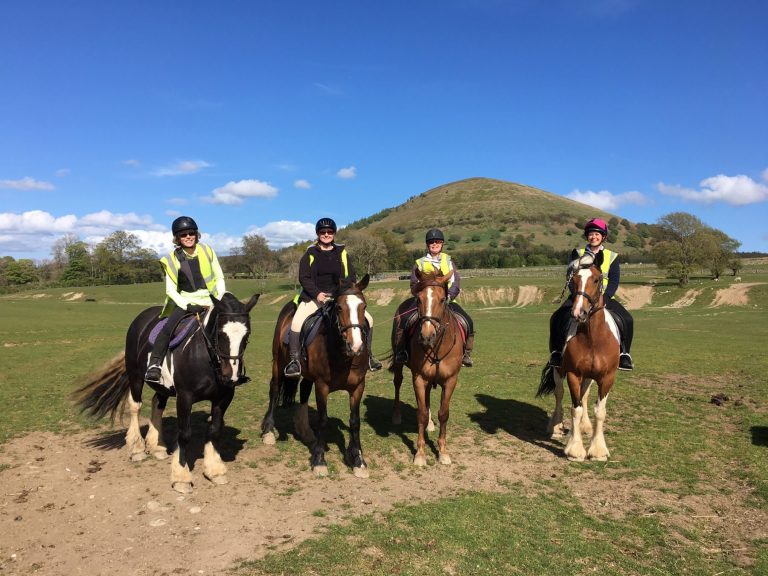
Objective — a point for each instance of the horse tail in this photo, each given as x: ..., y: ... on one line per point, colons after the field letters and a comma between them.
x: 105, y: 391
x: 547, y: 384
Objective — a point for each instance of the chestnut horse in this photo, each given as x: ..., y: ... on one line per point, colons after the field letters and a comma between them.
x: 591, y: 355
x: 207, y: 365
x: 336, y: 359
x: 434, y: 358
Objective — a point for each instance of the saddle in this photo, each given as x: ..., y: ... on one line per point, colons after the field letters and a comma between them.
x: 309, y: 330
x: 183, y: 329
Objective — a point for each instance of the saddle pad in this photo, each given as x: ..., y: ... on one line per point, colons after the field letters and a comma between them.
x: 308, y: 331
x: 183, y: 328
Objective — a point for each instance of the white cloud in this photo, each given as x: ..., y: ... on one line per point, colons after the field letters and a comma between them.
x: 26, y: 183
x: 302, y: 184
x: 183, y: 167
x: 735, y: 190
x: 605, y: 200
x: 62, y: 172
x: 132, y: 163
x: 177, y: 201
x: 347, y: 173
x: 284, y: 233
x: 236, y: 192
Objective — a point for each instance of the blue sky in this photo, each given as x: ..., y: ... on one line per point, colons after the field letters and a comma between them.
x: 262, y: 116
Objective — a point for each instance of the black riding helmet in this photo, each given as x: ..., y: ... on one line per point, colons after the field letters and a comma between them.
x: 325, y: 223
x: 183, y: 223
x: 435, y: 234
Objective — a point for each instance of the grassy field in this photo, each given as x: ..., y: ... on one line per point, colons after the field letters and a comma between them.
x: 637, y: 514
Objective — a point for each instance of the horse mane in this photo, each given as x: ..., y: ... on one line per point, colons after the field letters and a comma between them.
x: 432, y: 278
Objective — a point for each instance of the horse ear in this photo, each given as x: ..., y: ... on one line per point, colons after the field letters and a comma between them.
x: 252, y: 302
x: 363, y: 284
x: 599, y: 259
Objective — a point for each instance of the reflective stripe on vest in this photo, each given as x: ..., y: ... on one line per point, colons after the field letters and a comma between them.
x: 608, y: 257
x: 344, y: 263
x: 427, y: 266
x: 171, y: 266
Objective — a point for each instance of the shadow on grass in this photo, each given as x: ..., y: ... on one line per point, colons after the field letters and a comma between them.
x: 524, y: 421
x: 229, y: 444
x: 379, y: 417
x: 759, y: 435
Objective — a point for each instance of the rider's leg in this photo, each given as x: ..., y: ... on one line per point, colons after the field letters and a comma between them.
x: 399, y: 342
x: 154, y: 368
x: 626, y: 333
x: 293, y: 368
x: 557, y: 333
x: 373, y: 364
x: 470, y: 343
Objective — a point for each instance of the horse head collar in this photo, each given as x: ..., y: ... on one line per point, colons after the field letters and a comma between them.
x: 586, y: 278
x: 227, y: 329
x: 432, y: 294
x: 347, y: 313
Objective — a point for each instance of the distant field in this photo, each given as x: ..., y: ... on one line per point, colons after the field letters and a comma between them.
x: 686, y: 489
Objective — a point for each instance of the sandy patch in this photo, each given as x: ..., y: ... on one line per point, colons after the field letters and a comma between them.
x: 71, y: 296
x: 528, y: 295
x: 635, y: 297
x: 383, y: 297
x: 687, y: 300
x: 276, y: 300
x: 735, y: 295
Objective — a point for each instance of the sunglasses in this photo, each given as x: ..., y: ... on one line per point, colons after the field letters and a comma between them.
x: 435, y: 242
x: 326, y: 232
x: 187, y: 233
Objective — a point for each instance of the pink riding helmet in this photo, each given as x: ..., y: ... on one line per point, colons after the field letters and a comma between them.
x: 596, y: 225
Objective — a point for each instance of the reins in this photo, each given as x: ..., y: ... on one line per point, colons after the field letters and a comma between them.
x: 440, y: 328
x: 214, y: 352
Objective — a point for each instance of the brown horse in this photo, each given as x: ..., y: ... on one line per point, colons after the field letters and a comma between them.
x: 434, y: 358
x: 591, y: 355
x: 336, y: 359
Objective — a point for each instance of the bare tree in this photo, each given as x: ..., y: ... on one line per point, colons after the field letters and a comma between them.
x: 368, y: 252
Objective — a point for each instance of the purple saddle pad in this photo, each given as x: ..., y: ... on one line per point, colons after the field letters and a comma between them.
x: 183, y: 328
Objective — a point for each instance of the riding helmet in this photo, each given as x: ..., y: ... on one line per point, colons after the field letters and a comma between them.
x: 183, y: 223
x: 435, y: 234
x: 325, y: 223
x: 596, y: 225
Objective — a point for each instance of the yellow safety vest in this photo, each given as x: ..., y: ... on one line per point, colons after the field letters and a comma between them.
x: 608, y: 257
x: 426, y: 266
x: 344, y: 262
x: 171, y: 267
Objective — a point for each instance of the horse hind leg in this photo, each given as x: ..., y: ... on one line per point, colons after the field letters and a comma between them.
x: 214, y: 468
x: 597, y: 447
x: 268, y: 436
x: 155, y: 444
x: 397, y: 381
x: 301, y: 415
x: 555, y: 428
x: 134, y: 441
x: 181, y: 476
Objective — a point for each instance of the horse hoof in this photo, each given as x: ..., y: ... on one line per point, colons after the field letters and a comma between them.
x: 269, y: 439
x: 138, y: 457
x: 320, y: 471
x: 419, y: 461
x: 361, y: 472
x: 160, y: 454
x: 219, y: 480
x: 183, y: 487
x: 445, y: 459
x: 575, y: 458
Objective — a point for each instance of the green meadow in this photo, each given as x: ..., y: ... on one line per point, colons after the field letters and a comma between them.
x: 685, y: 490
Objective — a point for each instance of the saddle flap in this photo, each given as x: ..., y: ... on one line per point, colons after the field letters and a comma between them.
x: 183, y: 329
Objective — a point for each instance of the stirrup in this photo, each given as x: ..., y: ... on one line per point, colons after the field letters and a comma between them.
x: 373, y: 364
x: 401, y: 357
x: 292, y: 369
x: 467, y: 361
x: 555, y: 359
x: 625, y: 361
x: 153, y: 373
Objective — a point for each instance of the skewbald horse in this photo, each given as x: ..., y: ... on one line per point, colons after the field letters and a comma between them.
x: 207, y: 365
x: 336, y: 359
x: 591, y: 355
x: 435, y: 352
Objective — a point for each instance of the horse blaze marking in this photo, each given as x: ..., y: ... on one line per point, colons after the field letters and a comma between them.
x: 584, y: 275
x: 355, y: 302
x: 235, y: 331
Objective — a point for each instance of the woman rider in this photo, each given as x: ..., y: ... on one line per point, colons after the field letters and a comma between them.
x: 321, y: 268
x: 595, y: 231
x: 192, y: 276
x: 434, y: 260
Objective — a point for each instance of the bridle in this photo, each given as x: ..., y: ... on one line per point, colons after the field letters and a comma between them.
x: 331, y: 315
x: 594, y: 303
x: 440, y: 324
x: 214, y: 348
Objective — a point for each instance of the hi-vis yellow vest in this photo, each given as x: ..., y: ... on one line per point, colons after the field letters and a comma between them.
x: 608, y: 257
x: 171, y: 266
x: 426, y: 266
x: 344, y: 262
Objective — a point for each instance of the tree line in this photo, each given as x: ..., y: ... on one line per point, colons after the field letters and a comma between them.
x: 679, y: 243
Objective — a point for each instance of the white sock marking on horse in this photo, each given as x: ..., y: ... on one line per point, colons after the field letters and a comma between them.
x: 235, y: 332
x: 355, y: 303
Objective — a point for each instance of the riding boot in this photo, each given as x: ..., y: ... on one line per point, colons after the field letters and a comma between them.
x: 470, y: 343
x: 293, y: 368
x: 154, y: 369
x: 373, y: 364
x: 401, y: 351
x: 625, y: 360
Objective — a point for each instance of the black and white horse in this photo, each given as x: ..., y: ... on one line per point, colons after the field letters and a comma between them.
x: 207, y: 365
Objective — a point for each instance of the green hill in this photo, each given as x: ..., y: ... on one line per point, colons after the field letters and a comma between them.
x: 479, y: 213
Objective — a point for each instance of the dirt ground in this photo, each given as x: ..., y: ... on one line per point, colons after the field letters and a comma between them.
x: 734, y: 295
x: 74, y: 504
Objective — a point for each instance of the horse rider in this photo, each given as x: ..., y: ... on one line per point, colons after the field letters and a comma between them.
x: 435, y: 260
x: 322, y: 266
x: 595, y: 231
x: 192, y: 275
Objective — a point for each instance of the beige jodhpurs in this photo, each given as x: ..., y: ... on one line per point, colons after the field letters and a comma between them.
x: 306, y: 309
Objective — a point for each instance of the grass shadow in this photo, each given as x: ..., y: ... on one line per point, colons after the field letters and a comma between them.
x: 759, y: 435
